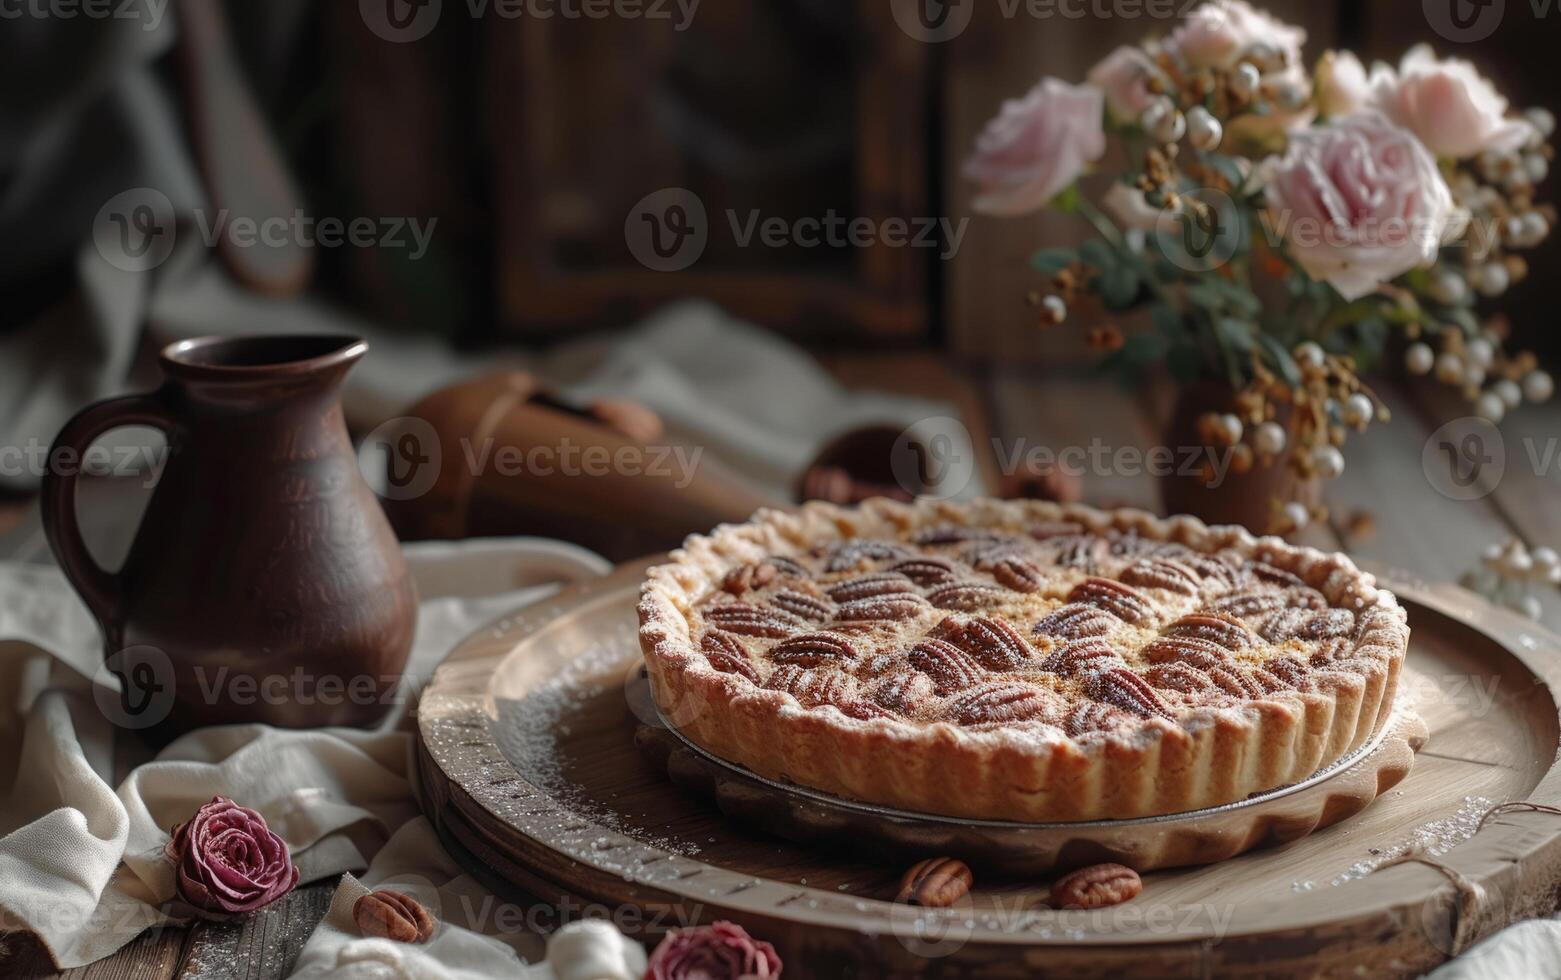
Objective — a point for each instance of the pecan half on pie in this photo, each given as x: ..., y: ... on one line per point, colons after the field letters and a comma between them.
x: 1018, y: 660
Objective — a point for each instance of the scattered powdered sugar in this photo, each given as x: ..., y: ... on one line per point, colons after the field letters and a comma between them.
x: 528, y: 731
x: 1433, y: 839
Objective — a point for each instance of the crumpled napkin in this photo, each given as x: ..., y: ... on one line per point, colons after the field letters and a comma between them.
x: 81, y: 860
x: 479, y: 934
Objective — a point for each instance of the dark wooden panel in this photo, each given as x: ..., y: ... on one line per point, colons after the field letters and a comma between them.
x: 784, y: 110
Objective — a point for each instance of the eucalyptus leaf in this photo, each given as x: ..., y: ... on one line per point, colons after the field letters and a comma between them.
x: 1168, y: 321
x: 1279, y: 358
x: 1098, y: 254
x: 1119, y: 286
x: 1236, y: 334
x: 1050, y: 261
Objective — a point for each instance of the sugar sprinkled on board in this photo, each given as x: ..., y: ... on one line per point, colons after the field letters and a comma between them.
x: 528, y: 732
x: 1433, y: 838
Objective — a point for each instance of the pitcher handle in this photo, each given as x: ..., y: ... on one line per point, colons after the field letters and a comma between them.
x: 98, y: 588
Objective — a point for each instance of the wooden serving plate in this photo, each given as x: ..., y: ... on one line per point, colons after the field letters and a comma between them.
x: 527, y: 768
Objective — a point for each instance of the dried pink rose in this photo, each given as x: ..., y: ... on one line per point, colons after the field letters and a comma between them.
x: 1124, y: 76
x: 228, y: 862
x: 723, y: 951
x: 1360, y: 202
x: 1036, y: 147
x: 1454, y: 109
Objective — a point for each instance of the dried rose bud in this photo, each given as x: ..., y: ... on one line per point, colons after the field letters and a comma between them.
x: 723, y: 950
x: 228, y: 862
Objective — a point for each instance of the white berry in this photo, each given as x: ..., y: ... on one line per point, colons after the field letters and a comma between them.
x: 1329, y: 462
x: 1536, y: 166
x: 1494, y: 557
x: 1309, y: 354
x: 1493, y: 279
x: 1516, y: 563
x: 1535, y: 229
x: 1543, y: 120
x: 1538, y: 387
x: 1245, y: 79
x: 1358, y: 410
x: 1449, y: 368
x: 1479, y: 352
x: 1419, y: 359
x: 1448, y: 287
x: 1546, y: 563
x: 1296, y: 515
x: 1509, y: 393
x: 1231, y: 428
x: 1269, y: 439
x: 1490, y: 407
x: 1203, y: 130
x: 1157, y: 116
x: 1054, y: 309
x: 1527, y: 605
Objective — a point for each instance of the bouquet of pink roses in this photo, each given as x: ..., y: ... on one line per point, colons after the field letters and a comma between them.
x: 1281, y: 225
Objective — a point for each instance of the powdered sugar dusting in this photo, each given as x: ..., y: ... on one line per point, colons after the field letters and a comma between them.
x: 1433, y: 838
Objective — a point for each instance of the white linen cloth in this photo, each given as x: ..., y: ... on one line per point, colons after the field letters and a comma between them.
x: 81, y: 862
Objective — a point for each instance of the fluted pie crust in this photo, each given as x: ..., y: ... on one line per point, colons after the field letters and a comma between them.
x: 1018, y: 660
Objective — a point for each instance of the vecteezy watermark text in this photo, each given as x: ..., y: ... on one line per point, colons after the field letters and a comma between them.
x: 1102, y: 459
x: 34, y: 460
x: 402, y: 21
x: 573, y: 459
x: 136, y: 230
x: 148, y: 12
x: 668, y: 230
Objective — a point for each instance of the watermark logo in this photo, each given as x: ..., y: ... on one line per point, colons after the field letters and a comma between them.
x: 934, y: 457
x: 135, y: 231
x: 401, y: 458
x: 144, y: 678
x: 1203, y: 234
x: 932, y: 21
x: 400, y: 21
x: 667, y: 231
x: 1465, y: 459
x: 1464, y: 21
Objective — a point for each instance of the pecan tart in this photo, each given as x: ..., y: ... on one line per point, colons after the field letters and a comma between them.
x: 1018, y: 660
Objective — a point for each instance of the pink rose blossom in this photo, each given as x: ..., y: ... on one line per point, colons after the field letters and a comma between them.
x: 1036, y: 147
x: 1454, y: 110
x: 1123, y: 76
x: 1360, y: 202
x: 1342, y: 85
x: 1222, y: 32
x: 228, y: 861
x: 722, y: 951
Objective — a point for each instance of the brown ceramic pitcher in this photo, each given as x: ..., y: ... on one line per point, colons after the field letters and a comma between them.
x: 264, y: 583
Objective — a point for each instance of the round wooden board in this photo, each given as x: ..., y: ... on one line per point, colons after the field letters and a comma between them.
x: 526, y: 766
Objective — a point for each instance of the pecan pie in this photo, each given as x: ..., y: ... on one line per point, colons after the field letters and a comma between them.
x: 1018, y: 660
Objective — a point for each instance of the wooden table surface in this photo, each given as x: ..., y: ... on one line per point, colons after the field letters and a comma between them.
x: 1415, y: 529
